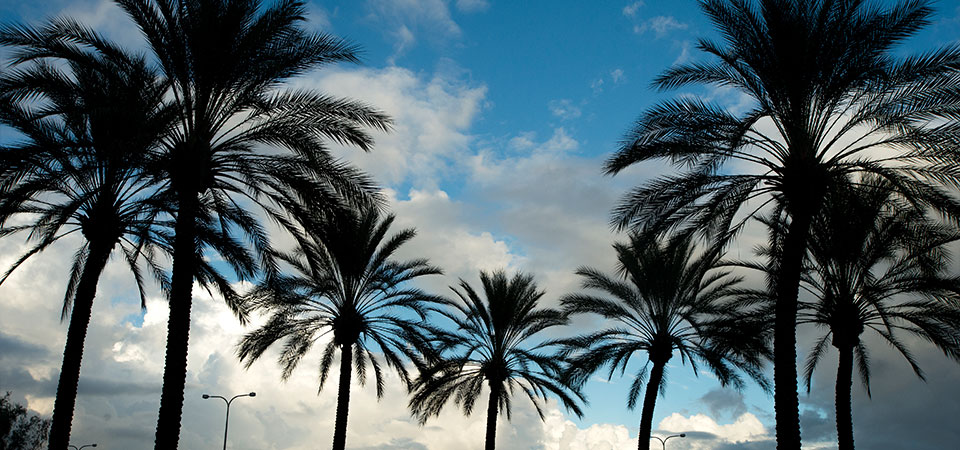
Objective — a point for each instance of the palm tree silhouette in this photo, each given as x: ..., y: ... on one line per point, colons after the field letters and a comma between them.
x: 664, y: 300
x: 226, y: 62
x: 829, y: 99
x: 347, y: 284
x: 78, y: 168
x: 876, y: 264
x: 491, y: 344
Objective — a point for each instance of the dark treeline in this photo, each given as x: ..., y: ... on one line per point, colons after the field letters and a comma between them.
x: 196, y: 146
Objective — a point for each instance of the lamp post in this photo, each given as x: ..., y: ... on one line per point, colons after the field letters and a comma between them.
x: 226, y: 422
x: 74, y: 447
x: 663, y: 442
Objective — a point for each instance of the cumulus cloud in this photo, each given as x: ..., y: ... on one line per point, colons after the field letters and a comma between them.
x: 432, y: 116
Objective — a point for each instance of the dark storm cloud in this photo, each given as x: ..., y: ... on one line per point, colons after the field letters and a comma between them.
x: 18, y: 380
x: 752, y: 445
x: 396, y: 444
x: 108, y: 387
x: 14, y: 348
x: 726, y: 403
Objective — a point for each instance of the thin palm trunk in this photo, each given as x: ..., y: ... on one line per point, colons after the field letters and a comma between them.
x: 178, y: 326
x: 844, y: 397
x: 343, y: 398
x: 786, y: 399
x: 649, y: 402
x: 490, y: 441
x: 66, y: 400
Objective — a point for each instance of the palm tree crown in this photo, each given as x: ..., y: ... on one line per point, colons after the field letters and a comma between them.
x: 829, y: 99
x: 87, y: 125
x: 877, y: 264
x: 226, y: 62
x: 494, y: 343
x: 346, y: 284
x: 666, y: 300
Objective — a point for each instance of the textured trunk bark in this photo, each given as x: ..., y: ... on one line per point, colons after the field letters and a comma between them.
x: 178, y: 326
x: 343, y: 398
x: 786, y: 400
x: 843, y: 399
x: 66, y: 400
x: 649, y: 402
x: 490, y: 442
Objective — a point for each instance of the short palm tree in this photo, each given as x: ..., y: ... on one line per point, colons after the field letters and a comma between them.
x: 87, y: 125
x: 350, y: 295
x: 226, y: 62
x: 493, y: 343
x: 830, y: 98
x: 665, y: 300
x: 877, y: 264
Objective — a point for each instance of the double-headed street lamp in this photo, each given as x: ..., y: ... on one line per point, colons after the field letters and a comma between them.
x: 74, y: 447
x: 663, y: 442
x: 228, y: 402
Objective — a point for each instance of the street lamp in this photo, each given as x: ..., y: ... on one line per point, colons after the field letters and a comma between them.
x: 74, y: 447
x: 226, y: 422
x: 663, y: 442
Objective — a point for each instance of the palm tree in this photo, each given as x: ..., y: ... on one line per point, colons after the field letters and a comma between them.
x: 226, y: 61
x: 876, y: 264
x: 77, y: 168
x: 664, y: 300
x: 491, y: 343
x: 829, y: 98
x: 347, y: 284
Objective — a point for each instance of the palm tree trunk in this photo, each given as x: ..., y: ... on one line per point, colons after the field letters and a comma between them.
x: 786, y: 400
x: 343, y: 398
x: 490, y: 442
x: 843, y: 399
x: 649, y: 402
x: 66, y: 400
x: 178, y: 326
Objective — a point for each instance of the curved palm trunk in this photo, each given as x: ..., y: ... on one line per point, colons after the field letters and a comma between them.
x: 649, y: 402
x: 343, y: 398
x: 843, y: 399
x: 178, y: 326
x: 786, y: 399
x: 66, y: 400
x: 490, y: 442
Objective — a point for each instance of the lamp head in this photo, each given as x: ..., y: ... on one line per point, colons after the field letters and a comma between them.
x: 205, y: 396
x: 253, y: 394
x: 683, y: 434
x: 93, y: 445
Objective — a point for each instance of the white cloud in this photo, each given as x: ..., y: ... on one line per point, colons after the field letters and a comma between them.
x: 411, y: 17
x: 564, y: 109
x: 432, y: 116
x: 469, y: 6
x: 631, y: 9
x: 617, y: 75
x: 660, y: 25
x: 745, y: 428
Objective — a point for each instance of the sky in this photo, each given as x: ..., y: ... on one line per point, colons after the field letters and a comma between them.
x: 503, y: 115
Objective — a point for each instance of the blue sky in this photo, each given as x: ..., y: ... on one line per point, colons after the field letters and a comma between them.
x: 504, y: 113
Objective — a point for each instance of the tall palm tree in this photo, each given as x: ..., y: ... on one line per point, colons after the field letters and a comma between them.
x: 829, y: 98
x: 348, y: 285
x: 876, y: 264
x: 86, y: 126
x: 226, y: 61
x: 492, y: 344
x: 664, y: 300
